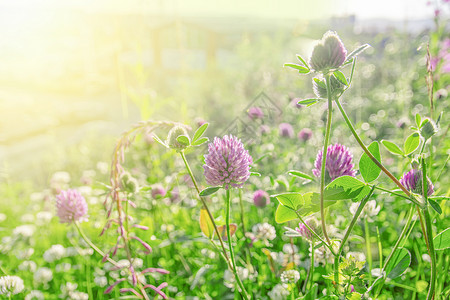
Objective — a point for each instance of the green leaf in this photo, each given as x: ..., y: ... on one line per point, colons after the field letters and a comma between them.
x: 442, y: 240
x: 411, y: 143
x: 200, y: 141
x: 346, y: 187
x: 210, y: 190
x: 184, y: 140
x: 418, y: 120
x: 393, y: 148
x: 200, y: 131
x: 302, y: 60
x: 291, y: 200
x: 301, y: 69
x: 435, y: 206
x: 308, y: 102
x: 399, y: 263
x: 300, y: 174
x: 206, y: 224
x: 369, y: 170
x: 320, y: 83
x: 356, y: 52
x: 341, y: 77
x: 255, y: 174
x: 284, y: 214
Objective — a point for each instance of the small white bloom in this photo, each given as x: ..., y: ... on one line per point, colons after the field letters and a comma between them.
x: 56, y: 252
x: 27, y: 218
x: 229, y: 279
x: 25, y: 231
x: 2, y: 217
x: 43, y: 217
x: 101, y: 281
x: 78, y: 296
x: 290, y: 276
x: 359, y: 256
x: 35, y: 295
x: 370, y: 210
x: 24, y: 254
x: 11, y: 285
x: 264, y: 232
x: 63, y: 267
x: 137, y: 263
x: 28, y: 265
x: 290, y: 248
x: 279, y: 292
x: 43, y: 275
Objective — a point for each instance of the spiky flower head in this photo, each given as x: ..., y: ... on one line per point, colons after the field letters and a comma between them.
x: 11, y: 285
x: 71, y: 206
x: 305, y: 134
x: 174, y: 133
x: 261, y: 198
x: 227, y: 163
x: 305, y: 232
x: 286, y: 130
x: 329, y: 53
x: 320, y: 88
x: 255, y: 113
x: 290, y: 276
x: 339, y: 162
x: 428, y: 129
x: 412, y: 180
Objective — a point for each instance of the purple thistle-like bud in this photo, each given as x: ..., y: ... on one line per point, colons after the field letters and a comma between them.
x: 227, y: 162
x: 286, y: 130
x: 157, y: 270
x: 329, y: 53
x: 255, y: 113
x: 110, y: 288
x: 339, y: 162
x: 71, y: 206
x: 305, y: 134
x: 305, y: 232
x: 140, y: 226
x: 147, y: 247
x: 158, y: 192
x: 158, y: 289
x: 412, y: 180
x: 130, y: 290
x: 261, y: 198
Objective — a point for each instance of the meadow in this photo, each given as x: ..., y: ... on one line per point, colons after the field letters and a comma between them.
x: 220, y: 190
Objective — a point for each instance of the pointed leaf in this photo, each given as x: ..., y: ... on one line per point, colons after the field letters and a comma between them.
x: 435, y: 206
x: 418, y: 120
x: 393, y: 148
x: 341, y: 77
x: 206, y: 224
x: 442, y: 240
x: 184, y: 140
x: 200, y: 141
x: 346, y: 187
x: 301, y: 69
x: 320, y: 83
x: 356, y: 52
x: 300, y: 174
x: 308, y: 102
x: 399, y: 263
x: 302, y: 60
x: 210, y: 190
x: 369, y: 170
x: 199, y: 132
x: 159, y: 141
x: 284, y: 214
x: 411, y: 143
x: 290, y: 200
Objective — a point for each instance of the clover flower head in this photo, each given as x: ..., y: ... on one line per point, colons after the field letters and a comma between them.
x: 255, y: 113
x: 11, y: 285
x: 305, y: 134
x: 264, y: 232
x: 305, y: 232
x: 227, y: 163
x: 158, y: 191
x: 412, y: 180
x: 71, y: 206
x: 286, y: 130
x: 279, y: 292
x: 290, y: 276
x: 329, y: 53
x: 261, y: 198
x: 370, y: 210
x: 339, y: 162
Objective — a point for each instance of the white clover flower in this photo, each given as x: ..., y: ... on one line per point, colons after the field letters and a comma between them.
x: 359, y: 256
x: 63, y: 267
x: 290, y: 248
x: 2, y: 217
x: 25, y: 231
x: 369, y: 211
x: 35, y: 295
x: 43, y: 217
x: 11, y: 285
x: 71, y: 251
x: 37, y: 197
x: 43, y: 275
x: 101, y: 281
x: 137, y: 263
x: 56, y: 252
x: 290, y: 276
x: 323, y: 256
x: 229, y: 280
x: 264, y: 232
x: 279, y: 292
x: 67, y: 289
x: 28, y: 265
x: 78, y: 296
x: 27, y: 218
x: 24, y: 254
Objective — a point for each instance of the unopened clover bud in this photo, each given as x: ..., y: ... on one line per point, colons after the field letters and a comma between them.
x: 174, y: 133
x: 328, y: 54
x: 428, y: 129
x: 129, y: 183
x: 320, y: 88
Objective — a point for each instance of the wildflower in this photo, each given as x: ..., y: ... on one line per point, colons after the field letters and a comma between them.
x: 323, y: 256
x: 43, y: 217
x: 264, y: 232
x: 129, y: 183
x: 76, y: 295
x: 2, y: 217
x: 255, y: 113
x: 101, y: 281
x: 43, y: 275
x: 227, y: 163
x: 320, y: 88
x: 71, y: 206
x: 286, y: 130
x: 279, y: 292
x: 412, y: 180
x: 59, y: 181
x: 261, y: 198
x: 264, y: 129
x: 339, y: 162
x: 158, y: 191
x: 370, y: 209
x: 199, y: 121
x: 329, y: 53
x: 35, y: 295
x: 25, y: 231
x: 290, y: 276
x: 429, y: 129
x: 305, y: 232
x: 243, y: 273
x: 305, y: 134
x: 11, y: 285
x: 174, y: 133
x: 56, y: 252
x: 28, y: 265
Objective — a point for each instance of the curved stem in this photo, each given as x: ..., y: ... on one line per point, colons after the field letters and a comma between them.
x: 188, y: 168
x: 311, y: 269
x: 230, y: 245
x: 324, y: 158
x: 347, y: 234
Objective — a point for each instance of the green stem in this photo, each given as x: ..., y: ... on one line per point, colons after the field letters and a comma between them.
x: 347, y: 234
x: 311, y: 269
x: 3, y: 270
x: 392, y: 192
x: 247, y: 246
x: 368, y: 249
x: 324, y: 158
x: 230, y: 245
x: 380, y: 248
x: 188, y: 168
x: 429, y: 230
